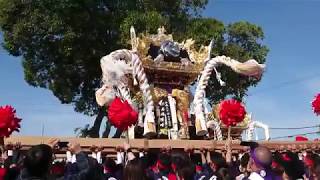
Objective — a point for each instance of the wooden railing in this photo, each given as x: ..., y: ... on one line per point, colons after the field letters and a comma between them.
x: 109, y: 145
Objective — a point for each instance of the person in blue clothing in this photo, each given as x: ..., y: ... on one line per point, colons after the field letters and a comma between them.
x: 38, y: 160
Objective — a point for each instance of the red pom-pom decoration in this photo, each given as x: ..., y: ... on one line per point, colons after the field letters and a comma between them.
x: 316, y: 105
x: 121, y: 115
x: 231, y: 112
x: 8, y: 121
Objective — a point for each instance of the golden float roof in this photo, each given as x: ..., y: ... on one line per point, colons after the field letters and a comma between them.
x: 173, y: 73
x: 170, y: 73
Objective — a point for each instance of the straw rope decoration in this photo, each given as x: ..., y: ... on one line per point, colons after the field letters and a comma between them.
x: 138, y: 70
x: 249, y: 68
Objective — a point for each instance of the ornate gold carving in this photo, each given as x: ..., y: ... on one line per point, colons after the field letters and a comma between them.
x: 145, y: 40
x: 183, y: 99
x: 157, y: 94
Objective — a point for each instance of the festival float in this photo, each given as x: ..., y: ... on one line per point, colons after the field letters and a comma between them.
x: 146, y: 93
x: 153, y: 81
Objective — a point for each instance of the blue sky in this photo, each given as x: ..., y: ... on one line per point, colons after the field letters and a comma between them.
x: 282, y: 98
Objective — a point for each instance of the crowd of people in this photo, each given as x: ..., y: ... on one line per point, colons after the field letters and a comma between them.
x: 255, y: 163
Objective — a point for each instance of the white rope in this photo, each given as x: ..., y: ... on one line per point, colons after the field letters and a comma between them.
x: 200, y: 95
x: 145, y: 88
x: 250, y: 68
x: 215, y: 125
x: 256, y: 124
x: 250, y: 131
x: 125, y: 94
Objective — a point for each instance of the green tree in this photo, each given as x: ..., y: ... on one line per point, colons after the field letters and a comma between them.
x: 62, y: 41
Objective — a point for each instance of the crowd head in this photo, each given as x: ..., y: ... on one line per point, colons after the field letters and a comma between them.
x: 37, y: 160
x: 40, y: 162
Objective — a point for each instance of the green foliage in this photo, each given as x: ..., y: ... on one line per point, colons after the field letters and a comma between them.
x: 147, y: 22
x: 62, y: 41
x: 205, y: 29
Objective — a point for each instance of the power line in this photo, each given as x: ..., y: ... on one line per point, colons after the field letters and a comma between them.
x: 290, y: 136
x: 288, y: 128
x: 286, y: 83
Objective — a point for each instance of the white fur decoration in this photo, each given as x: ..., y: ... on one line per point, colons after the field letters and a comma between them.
x: 105, y: 95
x: 114, y: 68
x: 115, y: 65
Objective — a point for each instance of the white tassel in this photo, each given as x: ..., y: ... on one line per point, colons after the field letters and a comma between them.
x: 134, y: 40
x: 69, y: 156
x: 218, y: 77
x: 131, y: 132
x: 10, y: 153
x: 140, y: 117
x: 120, y: 157
x: 135, y: 82
x: 73, y: 159
x: 141, y: 154
x: 130, y: 156
x: 94, y: 155
x: 99, y: 159
x: 175, y: 129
